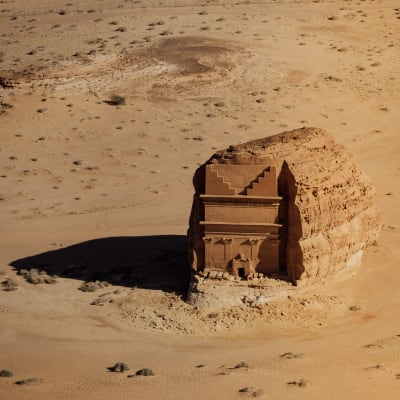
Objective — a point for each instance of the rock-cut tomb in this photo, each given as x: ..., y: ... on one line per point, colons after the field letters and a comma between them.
x: 292, y: 206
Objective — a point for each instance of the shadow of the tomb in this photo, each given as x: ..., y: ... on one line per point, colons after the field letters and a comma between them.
x: 150, y: 262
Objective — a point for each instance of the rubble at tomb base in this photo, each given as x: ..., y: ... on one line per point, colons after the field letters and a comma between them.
x: 292, y: 207
x: 213, y: 291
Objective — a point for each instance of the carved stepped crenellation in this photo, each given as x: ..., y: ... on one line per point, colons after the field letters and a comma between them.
x: 264, y: 185
x: 216, y: 184
x: 250, y: 185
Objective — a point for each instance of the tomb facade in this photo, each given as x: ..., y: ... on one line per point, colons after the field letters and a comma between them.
x: 241, y: 223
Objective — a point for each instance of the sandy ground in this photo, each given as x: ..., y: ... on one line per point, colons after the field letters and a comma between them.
x: 74, y: 168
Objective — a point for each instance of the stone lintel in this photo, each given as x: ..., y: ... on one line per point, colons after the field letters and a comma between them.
x: 241, y: 224
x: 216, y: 236
x: 240, y: 199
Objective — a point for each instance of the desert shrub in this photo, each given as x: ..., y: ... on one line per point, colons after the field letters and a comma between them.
x: 36, y: 276
x: 242, y: 364
x: 144, y: 372
x: 119, y: 367
x: 92, y: 286
x: 29, y: 381
x: 247, y: 389
x: 116, y: 100
x: 377, y: 366
x: 5, y: 373
x: 9, y: 285
x: 299, y: 383
x: 100, y: 301
x: 289, y: 355
x: 252, y: 391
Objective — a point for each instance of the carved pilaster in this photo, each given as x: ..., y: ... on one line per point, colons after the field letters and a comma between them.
x: 253, y: 245
x: 208, y: 241
x: 227, y: 249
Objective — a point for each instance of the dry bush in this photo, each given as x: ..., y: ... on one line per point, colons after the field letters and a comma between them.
x: 93, y: 286
x: 9, y: 285
x: 299, y: 383
x: 242, y: 364
x: 5, y: 373
x: 116, y: 100
x: 289, y: 355
x: 36, y: 276
x: 100, y: 301
x: 144, y: 372
x: 119, y: 367
x: 252, y: 391
x: 29, y: 381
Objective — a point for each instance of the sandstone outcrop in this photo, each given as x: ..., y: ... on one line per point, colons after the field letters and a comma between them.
x: 292, y: 206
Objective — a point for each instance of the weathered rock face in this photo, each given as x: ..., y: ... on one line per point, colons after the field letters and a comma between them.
x: 326, y: 213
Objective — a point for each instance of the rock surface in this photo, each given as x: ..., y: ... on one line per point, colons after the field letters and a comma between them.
x: 328, y: 211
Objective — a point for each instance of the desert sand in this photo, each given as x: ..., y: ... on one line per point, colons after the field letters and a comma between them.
x: 89, y: 188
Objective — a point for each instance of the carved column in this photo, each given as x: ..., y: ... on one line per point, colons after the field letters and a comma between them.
x: 253, y: 244
x: 227, y: 250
